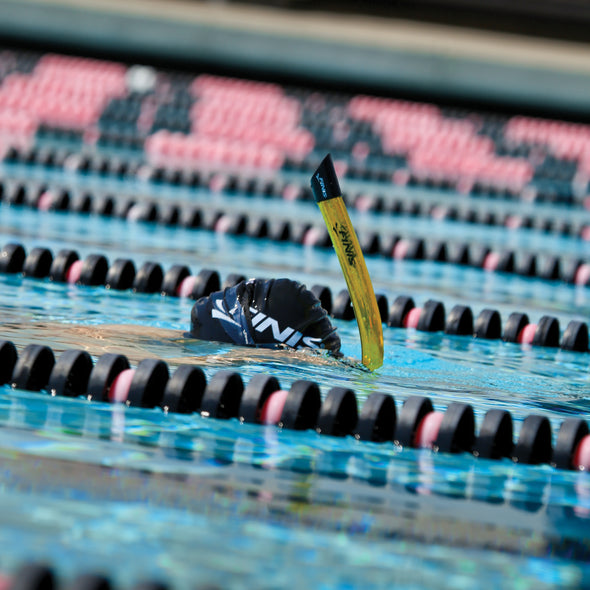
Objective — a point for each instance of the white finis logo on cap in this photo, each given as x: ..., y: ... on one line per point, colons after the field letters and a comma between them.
x: 262, y: 322
x: 221, y: 314
x: 288, y: 336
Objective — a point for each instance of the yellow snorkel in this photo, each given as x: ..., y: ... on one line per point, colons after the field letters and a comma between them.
x: 326, y: 190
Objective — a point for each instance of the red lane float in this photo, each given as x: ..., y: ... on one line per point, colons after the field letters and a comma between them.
x: 427, y: 431
x: 527, y: 334
x: 412, y: 318
x: 273, y: 407
x: 581, y: 458
x: 74, y: 271
x: 119, y: 390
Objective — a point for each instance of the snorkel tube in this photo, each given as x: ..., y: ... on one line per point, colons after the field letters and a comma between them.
x: 326, y: 190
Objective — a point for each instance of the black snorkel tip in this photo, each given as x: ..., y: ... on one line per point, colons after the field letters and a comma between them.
x: 324, y: 182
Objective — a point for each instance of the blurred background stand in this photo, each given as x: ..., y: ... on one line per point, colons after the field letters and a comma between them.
x: 528, y: 55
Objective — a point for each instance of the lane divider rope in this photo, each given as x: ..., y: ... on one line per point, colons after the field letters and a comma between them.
x: 177, y: 281
x: 301, y: 407
x: 546, y: 266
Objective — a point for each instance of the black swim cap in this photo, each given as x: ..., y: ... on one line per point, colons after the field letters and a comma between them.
x: 265, y: 313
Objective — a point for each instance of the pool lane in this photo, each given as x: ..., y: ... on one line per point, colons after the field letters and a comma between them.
x: 207, y: 501
x: 142, y: 241
x: 390, y: 506
x: 383, y: 223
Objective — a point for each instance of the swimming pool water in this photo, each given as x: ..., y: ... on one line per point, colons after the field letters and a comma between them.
x: 140, y: 494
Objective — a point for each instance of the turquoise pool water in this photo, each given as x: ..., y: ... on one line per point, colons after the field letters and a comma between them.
x: 194, y: 501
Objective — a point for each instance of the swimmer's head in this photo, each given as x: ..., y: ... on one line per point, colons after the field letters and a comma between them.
x: 265, y: 313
